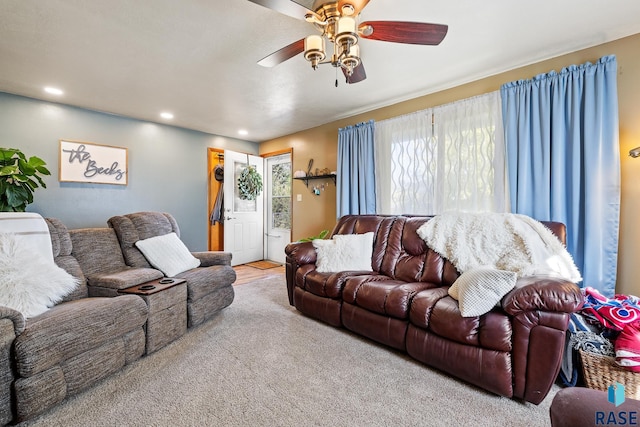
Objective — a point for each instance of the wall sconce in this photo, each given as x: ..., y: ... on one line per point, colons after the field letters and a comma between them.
x: 635, y: 152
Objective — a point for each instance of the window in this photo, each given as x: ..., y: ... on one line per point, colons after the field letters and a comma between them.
x: 445, y: 158
x: 281, y: 196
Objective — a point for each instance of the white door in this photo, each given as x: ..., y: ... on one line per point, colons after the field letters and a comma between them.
x: 243, y: 218
x: 277, y: 207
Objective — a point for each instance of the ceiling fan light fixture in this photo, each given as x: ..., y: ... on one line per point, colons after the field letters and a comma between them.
x: 348, y: 9
x: 346, y: 33
x: 337, y: 21
x: 314, y: 50
x: 351, y: 59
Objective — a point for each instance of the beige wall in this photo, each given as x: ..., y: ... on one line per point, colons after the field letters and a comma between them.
x: 315, y: 213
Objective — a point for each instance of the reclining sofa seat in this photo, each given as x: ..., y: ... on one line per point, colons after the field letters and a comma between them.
x: 68, y: 348
x: 514, y: 351
x: 209, y: 287
x: 98, y: 253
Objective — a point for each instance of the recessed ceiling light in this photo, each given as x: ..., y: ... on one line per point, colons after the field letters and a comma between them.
x: 166, y: 115
x: 243, y: 132
x: 53, y: 90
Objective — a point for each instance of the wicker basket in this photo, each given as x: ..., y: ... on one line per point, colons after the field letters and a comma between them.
x: 602, y: 371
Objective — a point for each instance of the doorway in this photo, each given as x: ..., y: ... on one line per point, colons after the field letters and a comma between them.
x: 251, y: 230
x: 277, y: 225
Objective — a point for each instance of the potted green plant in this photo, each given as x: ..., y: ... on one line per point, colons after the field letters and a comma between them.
x: 322, y: 235
x: 19, y: 177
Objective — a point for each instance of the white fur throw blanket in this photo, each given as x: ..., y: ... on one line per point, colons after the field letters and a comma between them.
x: 503, y: 241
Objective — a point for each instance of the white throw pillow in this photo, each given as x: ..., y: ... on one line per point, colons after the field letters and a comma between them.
x: 345, y: 252
x: 168, y: 254
x: 29, y: 282
x: 478, y: 290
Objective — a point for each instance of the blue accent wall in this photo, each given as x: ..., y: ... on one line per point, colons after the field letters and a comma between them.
x: 167, y: 165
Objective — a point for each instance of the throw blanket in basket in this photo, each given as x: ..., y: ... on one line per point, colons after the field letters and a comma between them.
x: 503, y: 241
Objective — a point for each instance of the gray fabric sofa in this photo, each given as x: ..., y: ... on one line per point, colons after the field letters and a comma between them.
x: 70, y: 347
x: 96, y: 330
x: 205, y: 297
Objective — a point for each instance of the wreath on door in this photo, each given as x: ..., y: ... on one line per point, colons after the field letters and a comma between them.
x: 249, y: 183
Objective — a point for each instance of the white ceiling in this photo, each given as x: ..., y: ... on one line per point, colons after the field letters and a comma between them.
x: 197, y: 58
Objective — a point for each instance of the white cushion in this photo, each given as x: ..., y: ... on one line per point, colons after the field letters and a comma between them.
x: 478, y: 290
x: 168, y: 254
x: 345, y: 252
x: 30, y: 282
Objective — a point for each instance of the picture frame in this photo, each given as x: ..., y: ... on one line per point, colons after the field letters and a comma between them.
x: 88, y: 162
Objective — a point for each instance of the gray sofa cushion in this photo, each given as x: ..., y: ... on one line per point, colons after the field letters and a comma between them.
x: 70, y: 329
x: 62, y: 247
x: 139, y: 226
x: 97, y: 250
x: 204, y: 280
x: 98, y: 253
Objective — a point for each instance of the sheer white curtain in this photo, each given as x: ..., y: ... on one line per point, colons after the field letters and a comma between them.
x: 450, y: 157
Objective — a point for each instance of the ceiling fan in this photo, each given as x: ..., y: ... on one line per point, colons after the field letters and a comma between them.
x: 337, y: 22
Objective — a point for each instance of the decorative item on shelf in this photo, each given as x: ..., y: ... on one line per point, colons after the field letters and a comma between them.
x: 249, y: 182
x: 318, y: 174
x: 17, y: 181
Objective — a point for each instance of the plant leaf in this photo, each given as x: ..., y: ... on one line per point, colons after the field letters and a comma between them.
x: 43, y: 170
x: 9, y: 170
x: 26, y: 167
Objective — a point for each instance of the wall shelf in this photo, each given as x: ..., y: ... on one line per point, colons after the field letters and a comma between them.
x: 306, y: 179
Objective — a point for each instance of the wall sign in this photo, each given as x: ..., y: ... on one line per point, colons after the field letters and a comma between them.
x: 92, y: 163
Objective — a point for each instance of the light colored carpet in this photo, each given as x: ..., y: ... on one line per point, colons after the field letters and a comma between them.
x: 262, y: 363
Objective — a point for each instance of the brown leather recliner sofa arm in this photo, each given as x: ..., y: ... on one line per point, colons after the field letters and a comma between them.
x: 540, y: 307
x: 543, y: 293
x: 297, y: 255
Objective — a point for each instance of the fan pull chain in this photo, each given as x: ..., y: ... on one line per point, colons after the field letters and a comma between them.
x: 336, y: 76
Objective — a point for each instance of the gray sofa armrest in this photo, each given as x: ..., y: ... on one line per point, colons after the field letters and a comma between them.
x: 101, y: 284
x: 15, y: 317
x: 213, y: 258
x: 12, y: 323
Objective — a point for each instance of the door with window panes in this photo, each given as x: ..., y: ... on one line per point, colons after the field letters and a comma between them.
x: 277, y: 206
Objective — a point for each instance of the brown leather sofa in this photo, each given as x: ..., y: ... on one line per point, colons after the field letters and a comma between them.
x: 515, y: 350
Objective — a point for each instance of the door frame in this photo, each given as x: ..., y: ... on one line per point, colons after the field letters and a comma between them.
x: 266, y: 156
x: 213, y: 153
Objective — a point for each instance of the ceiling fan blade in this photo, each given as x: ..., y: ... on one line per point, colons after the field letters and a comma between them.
x: 358, y: 5
x: 358, y: 74
x: 286, y: 7
x: 283, y: 54
x: 403, y: 32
